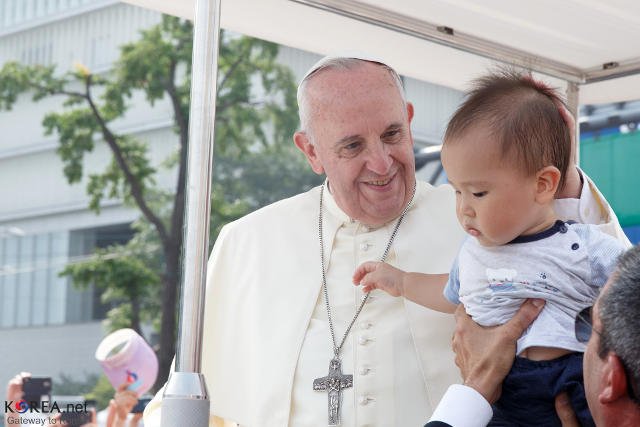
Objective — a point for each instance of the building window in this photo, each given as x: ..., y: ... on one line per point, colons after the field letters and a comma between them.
x: 31, y: 291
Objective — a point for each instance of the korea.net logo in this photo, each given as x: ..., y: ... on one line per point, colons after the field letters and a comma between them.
x: 21, y: 406
x: 44, y: 407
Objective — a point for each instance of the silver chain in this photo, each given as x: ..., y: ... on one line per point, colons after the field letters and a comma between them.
x: 337, y: 348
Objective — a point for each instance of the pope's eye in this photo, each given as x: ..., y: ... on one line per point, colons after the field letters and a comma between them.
x: 391, y: 133
x: 350, y: 149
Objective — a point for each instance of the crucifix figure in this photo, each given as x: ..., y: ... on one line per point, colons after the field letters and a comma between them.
x: 334, y: 383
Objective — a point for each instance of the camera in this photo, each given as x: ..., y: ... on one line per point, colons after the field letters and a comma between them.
x: 142, y: 403
x: 36, y: 389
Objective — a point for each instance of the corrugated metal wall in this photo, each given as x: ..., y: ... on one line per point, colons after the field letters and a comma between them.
x: 612, y: 161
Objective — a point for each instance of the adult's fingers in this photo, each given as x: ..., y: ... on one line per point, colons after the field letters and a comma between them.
x: 570, y: 121
x: 464, y: 326
x: 466, y: 330
x: 565, y: 411
x: 524, y: 317
x: 14, y: 386
x: 566, y: 116
x: 462, y: 319
x: 460, y: 314
x: 111, y: 413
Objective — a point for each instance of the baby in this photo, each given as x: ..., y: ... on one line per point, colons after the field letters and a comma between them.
x: 506, y: 152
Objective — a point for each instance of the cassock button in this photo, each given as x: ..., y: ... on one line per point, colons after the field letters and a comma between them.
x: 365, y: 370
x: 364, y: 246
x: 366, y: 324
x: 363, y: 340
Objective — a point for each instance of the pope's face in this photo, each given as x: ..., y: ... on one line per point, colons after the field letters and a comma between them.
x: 361, y: 141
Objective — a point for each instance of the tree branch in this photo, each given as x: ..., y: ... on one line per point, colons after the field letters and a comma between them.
x: 177, y: 213
x: 224, y: 106
x: 58, y: 92
x: 136, y: 187
x: 233, y: 67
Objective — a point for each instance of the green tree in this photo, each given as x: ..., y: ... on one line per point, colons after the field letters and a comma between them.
x: 250, y: 127
x: 66, y: 385
x: 127, y: 276
x: 102, y: 392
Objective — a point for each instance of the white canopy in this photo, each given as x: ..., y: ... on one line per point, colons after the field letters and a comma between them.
x: 568, y: 39
x: 592, y: 43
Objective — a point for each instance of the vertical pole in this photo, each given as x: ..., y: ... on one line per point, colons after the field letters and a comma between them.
x: 573, y: 95
x: 185, y: 400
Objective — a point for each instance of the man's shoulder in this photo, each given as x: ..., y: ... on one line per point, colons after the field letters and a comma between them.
x: 593, y: 235
x: 432, y: 224
x: 436, y: 202
x: 283, y: 211
x: 431, y: 196
x: 441, y: 190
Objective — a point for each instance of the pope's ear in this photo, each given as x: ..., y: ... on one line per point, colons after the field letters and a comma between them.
x: 409, y: 111
x: 302, y: 141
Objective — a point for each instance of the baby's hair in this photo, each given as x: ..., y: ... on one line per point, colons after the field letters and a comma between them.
x: 522, y: 114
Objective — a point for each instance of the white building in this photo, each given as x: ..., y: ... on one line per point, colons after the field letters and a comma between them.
x: 46, y: 325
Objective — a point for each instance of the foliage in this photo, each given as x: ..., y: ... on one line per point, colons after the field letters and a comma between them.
x: 102, y: 392
x: 255, y: 118
x: 66, y: 385
x: 127, y: 276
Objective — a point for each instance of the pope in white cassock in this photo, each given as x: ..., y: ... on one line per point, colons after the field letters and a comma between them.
x: 288, y: 339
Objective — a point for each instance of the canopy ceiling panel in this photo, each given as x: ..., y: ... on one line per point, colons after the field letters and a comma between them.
x: 567, y: 39
x: 582, y: 33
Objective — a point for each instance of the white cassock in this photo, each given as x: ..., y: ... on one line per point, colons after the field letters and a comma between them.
x: 266, y: 335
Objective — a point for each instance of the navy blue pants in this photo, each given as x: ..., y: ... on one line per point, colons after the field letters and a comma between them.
x: 529, y: 391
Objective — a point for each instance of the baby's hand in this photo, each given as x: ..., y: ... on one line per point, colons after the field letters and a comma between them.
x: 378, y: 275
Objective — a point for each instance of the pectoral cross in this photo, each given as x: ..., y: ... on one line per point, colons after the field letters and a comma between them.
x: 334, y: 383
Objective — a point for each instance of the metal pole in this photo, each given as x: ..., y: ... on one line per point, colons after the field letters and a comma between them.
x: 185, y: 400
x: 573, y: 95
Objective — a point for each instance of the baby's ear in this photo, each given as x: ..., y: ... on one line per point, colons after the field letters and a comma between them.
x: 547, y: 180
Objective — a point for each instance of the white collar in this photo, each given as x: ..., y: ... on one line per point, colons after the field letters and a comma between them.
x: 332, y: 206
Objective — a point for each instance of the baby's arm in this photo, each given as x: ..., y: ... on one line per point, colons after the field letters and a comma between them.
x: 423, y: 289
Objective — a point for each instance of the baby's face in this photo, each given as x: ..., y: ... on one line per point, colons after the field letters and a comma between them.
x: 495, y: 201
